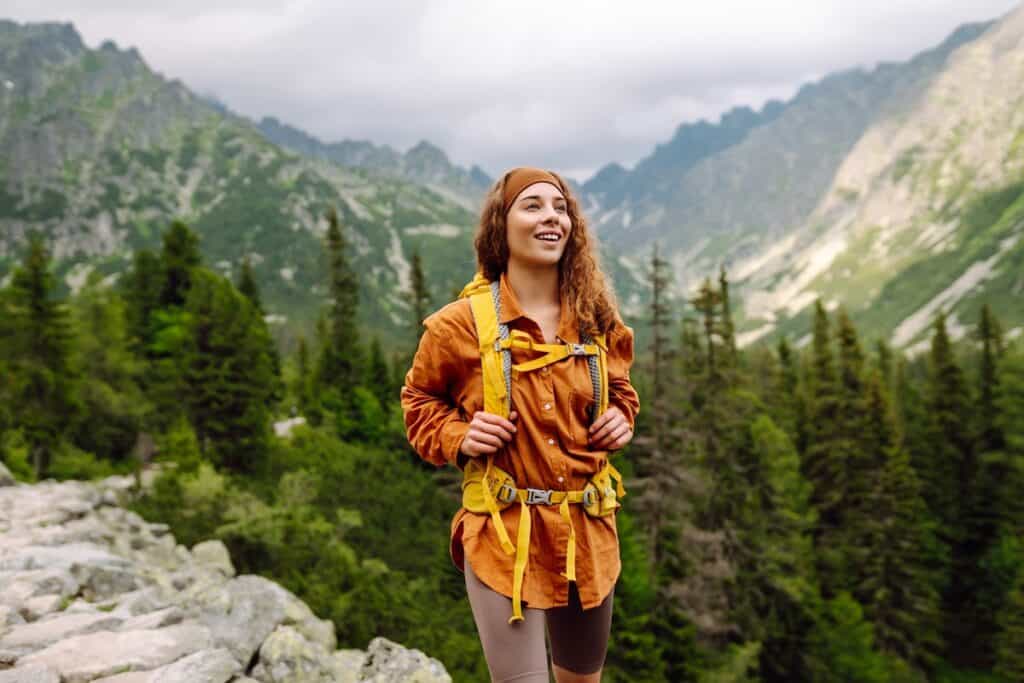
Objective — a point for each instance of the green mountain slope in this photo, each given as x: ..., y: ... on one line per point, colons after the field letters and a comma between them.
x: 101, y: 153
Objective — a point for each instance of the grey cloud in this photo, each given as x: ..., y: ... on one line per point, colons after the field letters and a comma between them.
x: 569, y: 86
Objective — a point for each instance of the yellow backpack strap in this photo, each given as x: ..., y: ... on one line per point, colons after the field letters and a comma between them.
x: 496, y: 362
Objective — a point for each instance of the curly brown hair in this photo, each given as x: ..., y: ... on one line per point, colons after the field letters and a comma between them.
x: 581, y: 279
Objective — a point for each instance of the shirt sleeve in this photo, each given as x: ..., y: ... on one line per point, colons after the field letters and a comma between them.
x: 620, y: 358
x: 434, y: 425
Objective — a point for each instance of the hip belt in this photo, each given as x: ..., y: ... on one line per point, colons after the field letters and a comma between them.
x: 487, y: 489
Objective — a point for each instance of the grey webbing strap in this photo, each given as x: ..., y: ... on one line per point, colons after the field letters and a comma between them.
x: 506, y: 353
x: 595, y: 376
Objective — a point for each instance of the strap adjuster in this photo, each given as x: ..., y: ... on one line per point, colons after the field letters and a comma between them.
x: 535, y: 496
x: 577, y: 350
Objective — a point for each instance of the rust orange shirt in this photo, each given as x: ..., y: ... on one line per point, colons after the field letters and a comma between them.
x: 442, y: 391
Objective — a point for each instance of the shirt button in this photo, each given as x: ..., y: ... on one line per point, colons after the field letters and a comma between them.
x: 547, y: 406
x: 551, y: 441
x: 561, y: 479
x: 544, y: 370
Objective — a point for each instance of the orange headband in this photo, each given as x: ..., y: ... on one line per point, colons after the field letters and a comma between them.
x: 521, y: 178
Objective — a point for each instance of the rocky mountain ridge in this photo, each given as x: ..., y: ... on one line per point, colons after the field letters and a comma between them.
x: 424, y: 163
x: 101, y: 154
x: 94, y: 593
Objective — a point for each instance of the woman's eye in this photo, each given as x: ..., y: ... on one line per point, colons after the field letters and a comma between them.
x: 560, y: 208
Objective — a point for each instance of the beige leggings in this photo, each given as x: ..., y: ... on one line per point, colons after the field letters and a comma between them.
x: 517, y: 652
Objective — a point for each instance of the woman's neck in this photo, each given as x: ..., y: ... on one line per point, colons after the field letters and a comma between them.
x: 534, y: 287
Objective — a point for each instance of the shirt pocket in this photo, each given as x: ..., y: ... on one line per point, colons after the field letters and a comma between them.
x: 580, y: 406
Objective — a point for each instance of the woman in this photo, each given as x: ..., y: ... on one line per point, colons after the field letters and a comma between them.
x: 534, y: 242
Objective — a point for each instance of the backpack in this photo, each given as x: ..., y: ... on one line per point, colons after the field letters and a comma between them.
x: 487, y: 489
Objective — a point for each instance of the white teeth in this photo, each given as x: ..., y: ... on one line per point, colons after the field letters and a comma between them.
x: 548, y: 237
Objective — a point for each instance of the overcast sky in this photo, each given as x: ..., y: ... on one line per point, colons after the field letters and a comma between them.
x: 568, y: 85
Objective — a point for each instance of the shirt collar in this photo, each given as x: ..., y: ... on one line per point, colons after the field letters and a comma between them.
x: 568, y: 326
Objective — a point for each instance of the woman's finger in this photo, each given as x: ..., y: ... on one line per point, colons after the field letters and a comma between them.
x: 479, y: 448
x: 601, y: 421
x: 491, y: 418
x: 622, y: 440
x: 484, y: 437
x: 608, y: 428
x: 491, y: 428
x: 615, y: 433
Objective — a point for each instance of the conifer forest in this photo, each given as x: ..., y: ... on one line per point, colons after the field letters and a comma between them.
x: 834, y: 511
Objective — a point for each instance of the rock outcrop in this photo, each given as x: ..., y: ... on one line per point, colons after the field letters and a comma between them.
x: 90, y: 591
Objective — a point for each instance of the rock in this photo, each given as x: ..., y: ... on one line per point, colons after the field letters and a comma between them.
x: 82, y: 658
x: 9, y: 617
x: 6, y: 478
x: 388, y: 661
x: 346, y: 665
x: 158, y: 619
x: 92, y: 592
x: 39, y: 606
x: 20, y: 586
x: 287, y: 656
x: 130, y: 677
x: 214, y: 554
x: 34, y: 636
x: 30, y: 674
x: 205, y: 666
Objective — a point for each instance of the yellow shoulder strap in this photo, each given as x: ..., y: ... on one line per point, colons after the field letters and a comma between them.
x: 485, y: 316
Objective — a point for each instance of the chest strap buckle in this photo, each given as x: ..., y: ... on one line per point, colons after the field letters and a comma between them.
x: 538, y: 496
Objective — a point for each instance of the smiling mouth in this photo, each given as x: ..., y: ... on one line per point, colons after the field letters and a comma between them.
x: 552, y: 237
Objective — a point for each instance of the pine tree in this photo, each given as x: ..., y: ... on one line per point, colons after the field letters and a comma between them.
x: 824, y: 461
x: 228, y: 372
x: 728, y: 331
x: 45, y: 384
x: 420, y: 295
x: 141, y: 290
x: 985, y: 517
x: 655, y: 453
x: 1010, y: 641
x: 379, y: 378
x: 990, y: 437
x: 948, y: 478
x: 1009, y: 401
x: 340, y: 362
x: 895, y: 549
x: 302, y: 389
x: 856, y: 449
x: 247, y: 286
x: 180, y: 255
x: 788, y: 397
x: 707, y: 302
x: 884, y: 362
x: 110, y: 388
x: 779, y: 575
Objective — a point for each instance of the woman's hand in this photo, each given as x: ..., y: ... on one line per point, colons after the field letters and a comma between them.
x: 487, y: 433
x: 610, y: 431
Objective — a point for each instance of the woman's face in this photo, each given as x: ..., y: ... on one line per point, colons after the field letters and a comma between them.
x: 538, y: 226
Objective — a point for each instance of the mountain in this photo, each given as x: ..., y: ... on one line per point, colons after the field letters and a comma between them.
x: 925, y: 211
x: 424, y: 163
x: 101, y: 153
x: 839, y: 191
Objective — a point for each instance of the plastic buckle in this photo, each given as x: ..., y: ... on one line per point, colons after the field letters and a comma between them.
x: 535, y: 496
x: 506, y: 494
x: 577, y: 350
